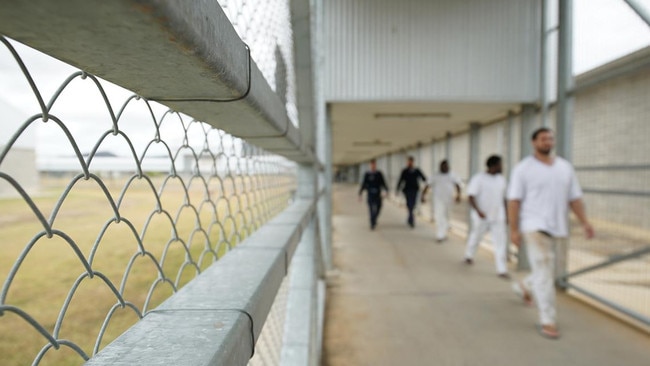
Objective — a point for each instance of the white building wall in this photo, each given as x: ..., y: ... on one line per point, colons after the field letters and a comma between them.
x: 20, y: 161
x: 471, y: 50
x: 425, y: 160
x: 20, y: 164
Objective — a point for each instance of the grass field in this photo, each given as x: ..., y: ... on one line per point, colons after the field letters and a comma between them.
x: 50, y: 268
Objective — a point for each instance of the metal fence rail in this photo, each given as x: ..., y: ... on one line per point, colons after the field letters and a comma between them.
x: 132, y: 202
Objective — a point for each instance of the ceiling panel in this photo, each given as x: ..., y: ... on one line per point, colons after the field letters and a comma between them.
x: 361, y: 131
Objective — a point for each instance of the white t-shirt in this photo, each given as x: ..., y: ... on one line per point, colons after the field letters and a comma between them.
x: 444, y: 186
x: 489, y: 192
x: 544, y: 192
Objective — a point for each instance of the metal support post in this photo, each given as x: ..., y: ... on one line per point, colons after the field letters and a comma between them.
x: 565, y: 82
x: 434, y: 170
x: 474, y: 165
x: 448, y: 146
x: 527, y: 127
x: 510, y: 161
x: 543, y: 72
x: 565, y: 101
x: 389, y: 170
x: 324, y: 145
x: 474, y: 144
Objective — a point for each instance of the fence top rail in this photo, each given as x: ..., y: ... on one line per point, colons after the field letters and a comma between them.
x: 217, y: 317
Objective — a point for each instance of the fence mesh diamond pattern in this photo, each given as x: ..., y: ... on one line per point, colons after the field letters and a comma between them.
x: 122, y: 208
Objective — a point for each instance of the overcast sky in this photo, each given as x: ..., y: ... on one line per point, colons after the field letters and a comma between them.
x: 604, y: 30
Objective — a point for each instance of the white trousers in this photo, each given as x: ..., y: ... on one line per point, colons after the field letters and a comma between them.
x: 498, y: 231
x: 441, y: 216
x: 541, y: 257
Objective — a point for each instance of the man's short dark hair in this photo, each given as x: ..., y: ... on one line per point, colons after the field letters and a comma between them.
x: 540, y: 130
x: 373, y: 161
x: 493, y: 160
x: 410, y: 157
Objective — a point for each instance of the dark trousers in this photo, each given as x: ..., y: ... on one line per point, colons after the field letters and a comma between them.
x: 411, y: 197
x: 374, y: 205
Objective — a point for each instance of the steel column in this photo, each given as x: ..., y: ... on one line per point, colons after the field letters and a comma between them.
x: 448, y: 146
x: 565, y: 103
x: 565, y: 82
x: 543, y: 72
x: 527, y: 127
x: 510, y: 122
x: 474, y: 143
x: 324, y: 148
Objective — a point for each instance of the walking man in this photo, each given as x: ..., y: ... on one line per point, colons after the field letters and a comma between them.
x: 542, y: 188
x: 409, y: 179
x: 444, y: 183
x: 373, y: 182
x: 487, y: 198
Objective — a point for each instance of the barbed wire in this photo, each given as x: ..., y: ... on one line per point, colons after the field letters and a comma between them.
x: 210, y: 191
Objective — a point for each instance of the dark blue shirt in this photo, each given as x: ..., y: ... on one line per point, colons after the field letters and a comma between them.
x: 409, y: 179
x: 373, y: 182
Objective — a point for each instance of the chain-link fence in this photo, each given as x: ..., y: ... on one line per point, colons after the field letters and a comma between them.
x: 611, y: 159
x: 265, y: 25
x: 111, y: 203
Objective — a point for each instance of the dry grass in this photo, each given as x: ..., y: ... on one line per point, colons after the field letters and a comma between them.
x: 50, y: 269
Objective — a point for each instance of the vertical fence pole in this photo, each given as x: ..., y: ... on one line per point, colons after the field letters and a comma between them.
x: 543, y: 71
x: 565, y: 101
x: 324, y: 142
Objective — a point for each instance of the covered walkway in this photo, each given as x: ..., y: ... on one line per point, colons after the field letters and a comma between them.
x: 398, y: 298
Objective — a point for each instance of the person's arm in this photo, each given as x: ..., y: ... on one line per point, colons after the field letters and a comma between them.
x: 363, y: 185
x: 382, y: 182
x: 513, y: 218
x: 424, y: 192
x: 578, y: 209
x: 472, y: 202
x: 457, y: 192
x: 426, y: 189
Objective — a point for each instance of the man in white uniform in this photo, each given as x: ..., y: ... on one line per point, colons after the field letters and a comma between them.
x: 443, y: 184
x: 542, y: 188
x: 487, y: 197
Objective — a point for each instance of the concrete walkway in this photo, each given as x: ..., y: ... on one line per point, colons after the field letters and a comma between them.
x: 401, y: 299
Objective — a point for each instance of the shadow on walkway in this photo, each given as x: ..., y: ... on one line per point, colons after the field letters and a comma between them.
x: 399, y: 298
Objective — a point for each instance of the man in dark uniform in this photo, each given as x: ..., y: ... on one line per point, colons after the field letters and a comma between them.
x: 373, y: 182
x: 409, y: 179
